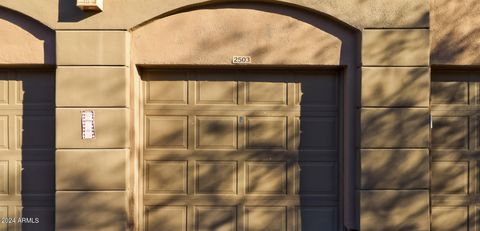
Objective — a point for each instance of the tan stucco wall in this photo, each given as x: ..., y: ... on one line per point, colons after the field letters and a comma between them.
x: 455, y: 32
x: 394, y: 130
x: 129, y: 13
x: 92, y: 74
x: 400, y: 40
x: 454, y: 24
x: 25, y: 41
x: 199, y: 37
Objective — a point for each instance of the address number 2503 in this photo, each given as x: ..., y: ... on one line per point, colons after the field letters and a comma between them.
x: 241, y: 59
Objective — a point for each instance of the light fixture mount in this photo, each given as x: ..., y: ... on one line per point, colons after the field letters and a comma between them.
x: 90, y: 5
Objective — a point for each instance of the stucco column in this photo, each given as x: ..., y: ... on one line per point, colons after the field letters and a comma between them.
x: 394, y: 129
x: 91, y: 183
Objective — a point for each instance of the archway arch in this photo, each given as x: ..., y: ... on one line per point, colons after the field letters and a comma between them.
x: 25, y: 40
x: 259, y: 27
x: 274, y: 36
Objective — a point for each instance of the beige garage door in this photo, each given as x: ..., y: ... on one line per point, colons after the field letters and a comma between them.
x: 27, y: 143
x: 456, y: 151
x: 240, y: 150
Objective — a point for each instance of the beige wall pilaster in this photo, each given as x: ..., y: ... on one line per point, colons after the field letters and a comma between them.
x: 394, y: 130
x: 91, y: 174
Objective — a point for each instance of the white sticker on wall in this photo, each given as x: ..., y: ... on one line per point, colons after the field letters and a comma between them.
x: 88, y: 125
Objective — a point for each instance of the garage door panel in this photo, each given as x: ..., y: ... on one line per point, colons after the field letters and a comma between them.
x: 216, y: 132
x: 450, y: 132
x: 317, y: 133
x: 218, y: 218
x: 35, y: 89
x: 167, y: 92
x: 35, y: 177
x: 225, y: 156
x: 266, y: 132
x: 166, y: 218
x: 3, y: 91
x: 317, y: 178
x: 4, y: 177
x: 216, y: 92
x: 166, y: 177
x: 450, y: 177
x: 265, y: 218
x: 450, y: 218
x: 167, y: 132
x: 3, y: 213
x: 475, y: 123
x: 216, y: 177
x: 318, y: 155
x: 316, y: 218
x: 449, y: 92
x: 266, y: 93
x: 34, y: 132
x: 37, y: 154
x: 4, y: 130
x: 266, y: 177
x: 319, y: 91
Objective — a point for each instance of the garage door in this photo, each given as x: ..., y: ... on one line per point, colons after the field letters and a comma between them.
x: 27, y: 125
x: 455, y: 151
x: 240, y: 150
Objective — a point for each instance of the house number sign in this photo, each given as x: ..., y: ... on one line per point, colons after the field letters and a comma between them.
x: 241, y: 59
x: 88, y: 125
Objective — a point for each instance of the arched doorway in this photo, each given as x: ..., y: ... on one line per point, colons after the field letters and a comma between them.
x: 264, y: 146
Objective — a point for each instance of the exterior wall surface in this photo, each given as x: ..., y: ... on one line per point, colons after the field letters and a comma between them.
x: 130, y: 13
x: 394, y: 130
x: 385, y: 48
x: 93, y: 66
x: 24, y: 40
x: 455, y: 32
x: 267, y: 36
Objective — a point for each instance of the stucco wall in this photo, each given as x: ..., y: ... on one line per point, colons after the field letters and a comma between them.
x: 25, y: 41
x: 455, y: 32
x: 199, y: 37
x: 126, y: 14
x: 399, y: 42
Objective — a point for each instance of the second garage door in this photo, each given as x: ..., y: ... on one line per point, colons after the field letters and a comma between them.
x: 455, y: 103
x: 240, y: 150
x: 27, y: 149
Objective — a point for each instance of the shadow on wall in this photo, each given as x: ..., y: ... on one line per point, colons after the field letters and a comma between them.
x: 297, y: 37
x: 455, y: 28
x: 382, y: 165
x: 345, y: 33
x: 18, y: 47
x: 391, y: 128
